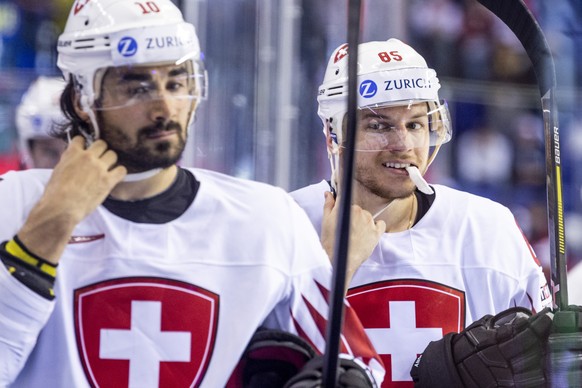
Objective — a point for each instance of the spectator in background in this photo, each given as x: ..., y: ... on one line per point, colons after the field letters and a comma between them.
x: 475, y: 46
x: 39, y: 111
x: 484, y: 159
x: 28, y: 36
x: 439, y: 37
x: 29, y: 32
x: 530, y: 164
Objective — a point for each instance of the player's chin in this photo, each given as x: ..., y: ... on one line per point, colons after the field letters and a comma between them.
x: 405, y: 190
x: 393, y: 192
x: 167, y: 146
x: 163, y: 157
x: 170, y: 157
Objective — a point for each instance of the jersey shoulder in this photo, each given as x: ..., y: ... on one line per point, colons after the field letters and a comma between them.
x: 23, y: 186
x: 311, y: 199
x: 30, y: 176
x: 486, y: 227
x: 19, y: 192
x: 309, y: 195
x: 265, y: 204
x: 230, y: 187
x: 470, y: 205
x: 261, y: 212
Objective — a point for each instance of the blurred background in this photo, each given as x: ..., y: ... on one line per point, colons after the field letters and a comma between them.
x: 266, y: 59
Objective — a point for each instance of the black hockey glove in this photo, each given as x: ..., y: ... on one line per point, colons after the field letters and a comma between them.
x: 271, y: 358
x: 351, y: 375
x: 564, y: 353
x: 506, y: 350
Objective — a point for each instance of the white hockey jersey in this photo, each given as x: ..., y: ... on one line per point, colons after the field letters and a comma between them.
x: 168, y: 305
x: 465, y: 258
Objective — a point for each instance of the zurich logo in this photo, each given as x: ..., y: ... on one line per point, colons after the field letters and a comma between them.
x: 368, y: 89
x: 127, y: 46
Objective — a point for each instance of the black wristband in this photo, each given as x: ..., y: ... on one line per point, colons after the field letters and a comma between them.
x: 30, y: 275
x: 17, y: 249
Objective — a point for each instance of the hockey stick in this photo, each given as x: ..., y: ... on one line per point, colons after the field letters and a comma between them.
x: 516, y: 15
x: 336, y: 303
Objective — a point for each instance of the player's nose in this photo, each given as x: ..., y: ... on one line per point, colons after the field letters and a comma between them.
x: 160, y: 108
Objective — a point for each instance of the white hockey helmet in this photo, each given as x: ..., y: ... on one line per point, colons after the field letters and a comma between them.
x: 117, y: 33
x: 390, y: 73
x: 38, y: 112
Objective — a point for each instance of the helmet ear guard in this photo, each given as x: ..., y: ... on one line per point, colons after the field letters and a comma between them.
x: 440, y: 124
x: 332, y: 137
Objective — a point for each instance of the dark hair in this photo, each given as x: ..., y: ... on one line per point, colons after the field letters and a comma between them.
x: 73, y: 125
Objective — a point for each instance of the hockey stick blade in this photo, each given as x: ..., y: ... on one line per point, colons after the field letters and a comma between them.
x: 516, y: 15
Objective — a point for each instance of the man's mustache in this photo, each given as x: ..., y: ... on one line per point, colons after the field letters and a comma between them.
x: 160, y: 127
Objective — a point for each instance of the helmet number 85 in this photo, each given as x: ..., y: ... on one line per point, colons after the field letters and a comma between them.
x: 387, y: 57
x: 148, y: 7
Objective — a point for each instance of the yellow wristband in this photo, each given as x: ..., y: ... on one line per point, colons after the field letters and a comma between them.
x: 16, y: 250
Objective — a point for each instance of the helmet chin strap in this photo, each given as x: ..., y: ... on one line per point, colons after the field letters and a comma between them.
x: 334, y: 162
x: 140, y: 176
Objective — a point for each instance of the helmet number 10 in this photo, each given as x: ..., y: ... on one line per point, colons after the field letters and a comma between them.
x: 148, y: 7
x: 387, y: 57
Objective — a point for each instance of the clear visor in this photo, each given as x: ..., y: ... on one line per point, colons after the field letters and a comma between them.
x: 390, y: 127
x: 124, y: 86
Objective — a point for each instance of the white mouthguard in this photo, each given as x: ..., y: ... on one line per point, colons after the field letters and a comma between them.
x: 418, y: 180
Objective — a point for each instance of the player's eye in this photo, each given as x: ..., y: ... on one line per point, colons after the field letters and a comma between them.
x: 177, y: 86
x: 137, y: 89
x: 375, y: 125
x: 414, y: 126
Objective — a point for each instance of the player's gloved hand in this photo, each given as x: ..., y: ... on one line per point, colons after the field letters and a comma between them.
x: 506, y: 350
x: 271, y: 358
x: 564, y: 353
x: 351, y: 375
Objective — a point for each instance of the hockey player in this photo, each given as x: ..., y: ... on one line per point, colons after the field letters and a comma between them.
x: 121, y: 268
x: 36, y: 116
x: 445, y: 258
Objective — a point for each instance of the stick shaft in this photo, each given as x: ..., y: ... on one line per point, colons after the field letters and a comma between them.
x: 516, y: 15
x: 336, y: 311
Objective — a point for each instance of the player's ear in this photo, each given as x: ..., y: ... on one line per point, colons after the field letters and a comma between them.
x: 83, y: 115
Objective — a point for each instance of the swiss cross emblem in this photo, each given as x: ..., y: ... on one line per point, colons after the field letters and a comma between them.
x: 402, y: 316
x: 341, y: 52
x: 145, y: 332
x: 79, y: 5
